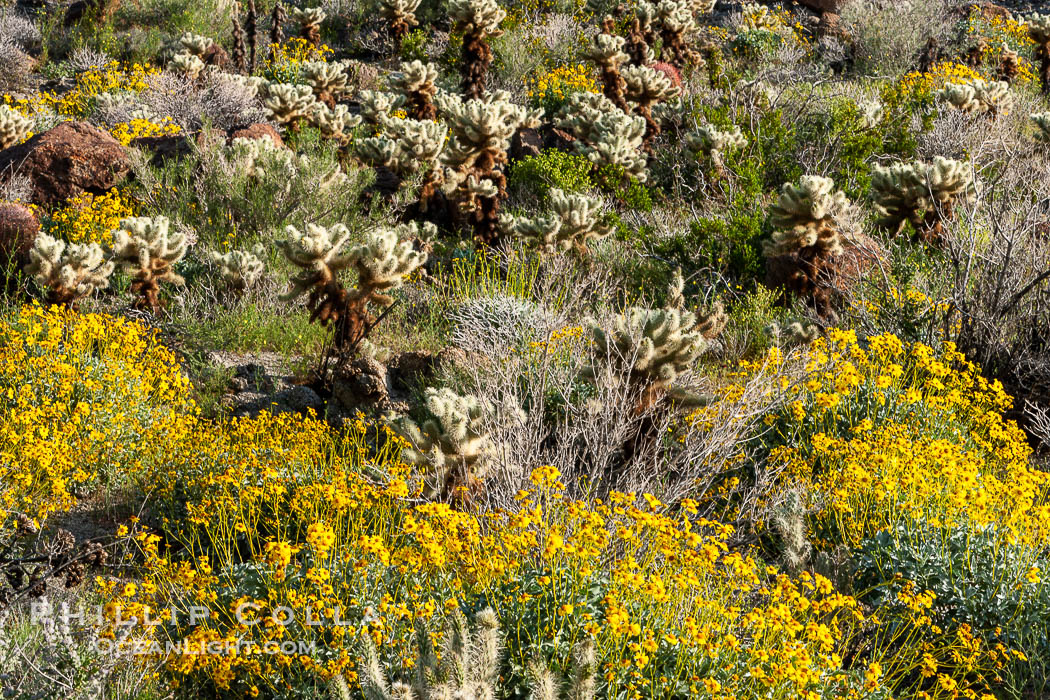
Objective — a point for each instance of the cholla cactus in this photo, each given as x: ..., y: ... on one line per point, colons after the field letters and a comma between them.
x: 289, y: 104
x: 641, y: 35
x: 1042, y: 124
x: 871, y: 113
x: 921, y: 193
x: 240, y: 269
x: 576, y: 219
x: 255, y: 157
x: 69, y: 272
x: 13, y: 127
x: 327, y: 80
x: 758, y: 17
x: 376, y: 105
x: 416, y: 82
x: 469, y: 668
x: 400, y: 16
x: 677, y: 27
x: 478, y: 21
x: 411, y: 146
x: 804, y: 218
x: 978, y: 97
x: 606, y: 51
x: 238, y: 50
x: 453, y: 446
x: 186, y: 64
x: 1039, y: 31
x: 645, y: 87
x: 144, y: 247
x: 334, y: 123
x: 382, y: 262
x: 711, y: 143
x: 605, y: 135
x: 188, y: 42
x: 652, y: 346
x: 309, y: 21
x: 477, y: 151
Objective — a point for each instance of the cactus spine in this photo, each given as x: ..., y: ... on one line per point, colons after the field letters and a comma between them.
x: 144, y: 247
x: 69, y: 272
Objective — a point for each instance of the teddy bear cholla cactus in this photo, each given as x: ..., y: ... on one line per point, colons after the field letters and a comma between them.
x: 1042, y: 125
x: 1039, y: 31
x: 69, y: 271
x: 576, y: 219
x: 711, y: 143
x: 924, y: 194
x: 187, y: 43
x: 13, y: 127
x: 804, y: 218
x: 376, y: 105
x: 453, y: 447
x: 677, y: 26
x: 382, y: 262
x: 606, y: 51
x: 240, y: 269
x: 476, y: 153
x: 289, y: 104
x: 978, y: 97
x: 478, y: 21
x: 408, y: 146
x: 416, y: 81
x: 327, y: 80
x: 145, y: 247
x: 309, y: 21
x: 334, y: 123
x: 469, y: 668
x: 400, y: 16
x: 186, y: 64
x: 652, y: 347
x: 605, y: 135
x: 645, y: 87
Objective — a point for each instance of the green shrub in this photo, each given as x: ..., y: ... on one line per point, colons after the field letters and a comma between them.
x: 414, y: 46
x: 551, y: 168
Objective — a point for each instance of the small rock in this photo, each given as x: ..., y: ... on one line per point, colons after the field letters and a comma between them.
x: 18, y: 229
x: 257, y: 131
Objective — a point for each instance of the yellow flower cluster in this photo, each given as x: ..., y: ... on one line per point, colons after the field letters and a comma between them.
x: 916, y: 88
x: 88, y: 218
x: 551, y: 88
x: 997, y: 32
x: 89, y: 84
x: 126, y: 132
x: 73, y: 390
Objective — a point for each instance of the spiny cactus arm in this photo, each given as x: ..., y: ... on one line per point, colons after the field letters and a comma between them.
x: 487, y: 650
x: 582, y: 685
x: 477, y: 17
x: 316, y: 252
x: 385, y: 259
x: 13, y: 126
x: 580, y: 217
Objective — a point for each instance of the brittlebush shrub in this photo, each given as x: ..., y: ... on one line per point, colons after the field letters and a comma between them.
x: 81, y: 396
x: 894, y: 444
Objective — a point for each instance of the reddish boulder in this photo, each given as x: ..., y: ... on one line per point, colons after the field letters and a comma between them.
x: 66, y: 161
x: 257, y: 131
x: 18, y: 229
